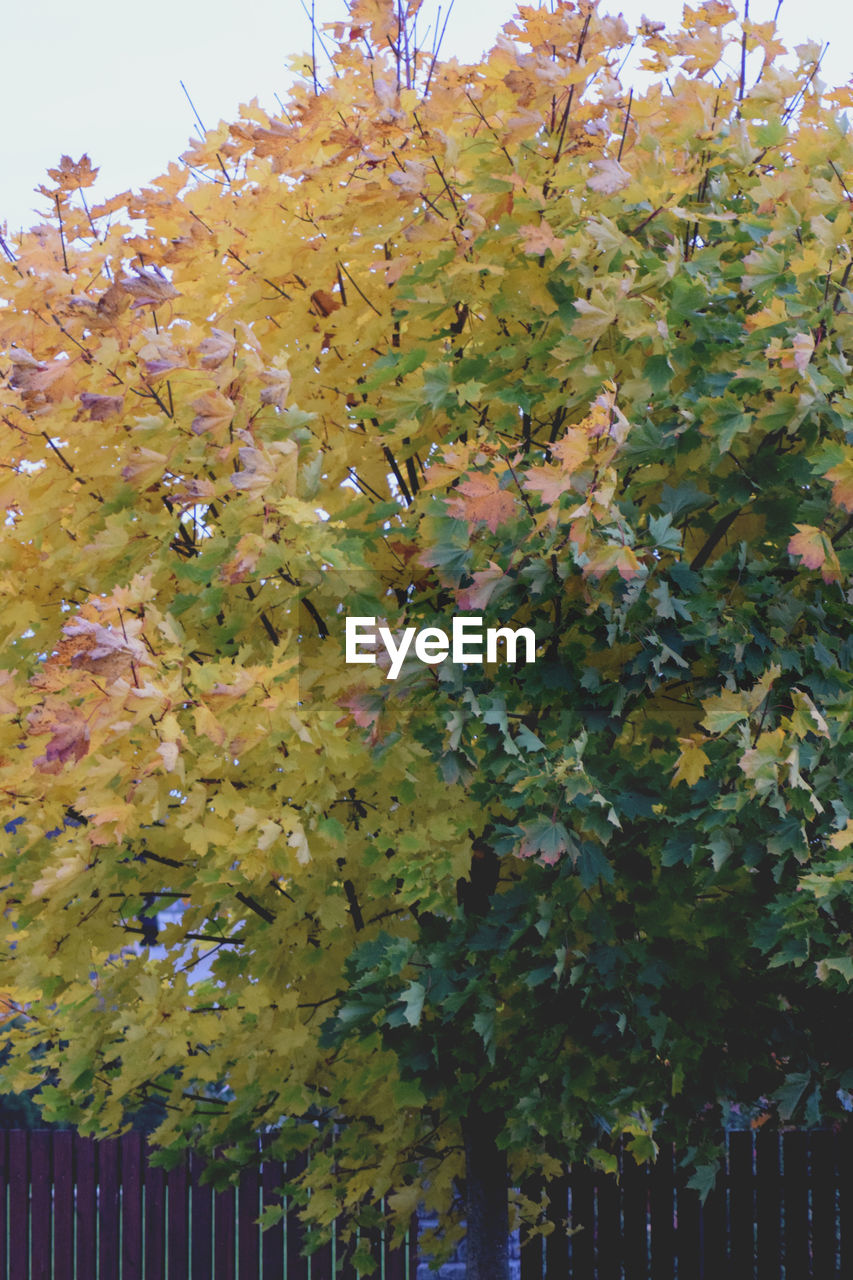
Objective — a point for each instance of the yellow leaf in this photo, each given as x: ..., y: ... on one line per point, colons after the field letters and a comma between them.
x: 691, y: 763
x: 841, y: 839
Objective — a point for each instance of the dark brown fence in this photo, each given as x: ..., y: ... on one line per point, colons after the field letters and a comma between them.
x: 782, y: 1209
x: 72, y: 1208
x: 75, y: 1209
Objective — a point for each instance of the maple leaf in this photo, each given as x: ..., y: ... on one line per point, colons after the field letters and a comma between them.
x: 247, y: 553
x: 483, y: 500
x: 800, y: 353
x: 8, y: 706
x: 103, y: 312
x: 550, y: 482
x: 99, y: 644
x: 100, y: 408
x: 603, y: 559
x: 609, y: 176
x: 264, y: 467
x: 144, y: 467
x: 216, y: 349
x: 486, y: 582
x: 365, y: 707
x: 213, y: 414
x: 276, y: 387
x: 547, y: 841
x: 816, y: 551
x: 168, y: 753
x: 72, y: 175
x: 595, y: 315
x: 538, y: 238
x: 842, y: 483
x: 728, y: 708
x: 148, y: 288
x: 691, y: 763
x: 69, y: 734
x: 844, y: 838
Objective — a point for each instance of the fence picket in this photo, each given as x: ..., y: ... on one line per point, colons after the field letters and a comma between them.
x: 662, y: 1212
x: 582, y: 1244
x: 63, y: 1206
x: 608, y: 1228
x: 19, y: 1206
x: 712, y: 1217
x: 248, y: 1241
x: 532, y: 1244
x: 131, y: 1206
x: 557, y: 1243
x: 297, y: 1265
x: 40, y: 1205
x: 201, y: 1209
x: 844, y: 1168
x: 741, y: 1205
x: 395, y: 1264
x: 768, y: 1205
x: 86, y: 1206
x: 635, y: 1224
x: 155, y: 1224
x: 688, y: 1229
x: 224, y: 1233
x: 4, y: 1221
x: 823, y: 1182
x: 109, y: 1195
x: 272, y: 1240
x: 344, y: 1251
x: 178, y: 1235
x: 796, y: 1188
x: 321, y: 1263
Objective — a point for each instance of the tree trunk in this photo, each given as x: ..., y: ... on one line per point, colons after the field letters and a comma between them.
x: 487, y: 1238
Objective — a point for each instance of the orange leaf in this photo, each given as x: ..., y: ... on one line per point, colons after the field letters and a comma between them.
x: 842, y: 479
x: 816, y: 552
x: 483, y: 500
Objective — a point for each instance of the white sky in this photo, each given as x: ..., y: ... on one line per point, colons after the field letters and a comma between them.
x: 105, y: 79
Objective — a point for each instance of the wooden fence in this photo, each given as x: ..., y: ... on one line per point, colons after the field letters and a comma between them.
x: 782, y: 1209
x: 75, y: 1209
x: 72, y: 1208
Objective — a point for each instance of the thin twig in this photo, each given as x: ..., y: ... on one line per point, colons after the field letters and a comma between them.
x: 567, y: 112
x: 743, y: 55
x: 795, y: 102
x: 625, y: 126
x: 840, y: 179
x: 64, y: 461
x: 363, y: 295
x: 61, y: 232
x: 437, y: 47
x: 192, y: 108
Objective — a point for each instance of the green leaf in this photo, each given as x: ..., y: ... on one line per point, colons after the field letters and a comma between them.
x: 528, y: 740
x: 704, y: 1179
x: 413, y: 1002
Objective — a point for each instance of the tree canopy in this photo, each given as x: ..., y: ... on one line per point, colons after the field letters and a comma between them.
x: 502, y: 341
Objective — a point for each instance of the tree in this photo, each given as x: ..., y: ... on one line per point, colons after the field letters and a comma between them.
x: 502, y: 342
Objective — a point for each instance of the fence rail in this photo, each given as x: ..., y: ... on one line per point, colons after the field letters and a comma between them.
x: 782, y: 1209
x: 74, y: 1208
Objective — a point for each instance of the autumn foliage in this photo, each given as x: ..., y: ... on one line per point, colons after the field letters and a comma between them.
x: 504, y: 340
